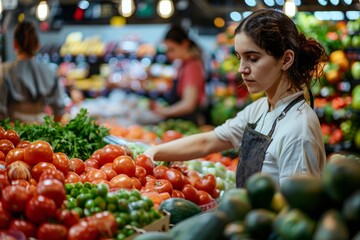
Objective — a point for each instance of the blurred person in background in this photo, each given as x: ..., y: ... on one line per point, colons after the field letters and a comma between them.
x: 27, y: 87
x: 187, y: 98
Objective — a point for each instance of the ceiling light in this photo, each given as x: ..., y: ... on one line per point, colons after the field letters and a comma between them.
x: 269, y: 3
x: 165, y: 8
x: 126, y: 8
x: 334, y: 2
x: 235, y: 16
x: 323, y: 2
x: 251, y: 3
x: 42, y: 11
x: 353, y: 15
x: 83, y: 4
x: 290, y: 8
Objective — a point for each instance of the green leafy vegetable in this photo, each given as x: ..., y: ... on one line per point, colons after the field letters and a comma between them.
x: 79, y: 138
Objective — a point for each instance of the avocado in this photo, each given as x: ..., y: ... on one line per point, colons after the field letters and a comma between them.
x: 261, y: 189
x: 235, y: 205
x: 258, y: 223
x: 331, y: 227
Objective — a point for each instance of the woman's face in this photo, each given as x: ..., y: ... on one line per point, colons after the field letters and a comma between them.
x: 175, y: 50
x: 259, y: 71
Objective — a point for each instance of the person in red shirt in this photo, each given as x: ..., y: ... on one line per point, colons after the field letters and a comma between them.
x: 187, y: 97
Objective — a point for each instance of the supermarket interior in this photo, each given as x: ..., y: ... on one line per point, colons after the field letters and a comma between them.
x: 129, y: 160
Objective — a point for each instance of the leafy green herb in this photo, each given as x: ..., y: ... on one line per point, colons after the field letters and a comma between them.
x: 79, y: 138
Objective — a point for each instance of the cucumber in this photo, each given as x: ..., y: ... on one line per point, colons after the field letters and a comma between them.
x: 179, y: 209
x: 154, y: 235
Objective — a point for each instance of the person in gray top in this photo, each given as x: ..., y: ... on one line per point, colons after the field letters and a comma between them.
x: 27, y: 86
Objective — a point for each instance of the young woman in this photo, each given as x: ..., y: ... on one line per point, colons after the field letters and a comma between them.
x: 188, y: 93
x: 278, y: 134
x: 27, y: 86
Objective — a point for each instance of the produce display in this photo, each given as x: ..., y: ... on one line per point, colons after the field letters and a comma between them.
x: 303, y: 208
x: 79, y: 138
x: 111, y: 194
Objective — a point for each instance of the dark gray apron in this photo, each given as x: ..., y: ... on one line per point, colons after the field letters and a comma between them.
x: 254, y: 145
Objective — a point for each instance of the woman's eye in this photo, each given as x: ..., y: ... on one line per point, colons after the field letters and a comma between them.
x: 253, y: 59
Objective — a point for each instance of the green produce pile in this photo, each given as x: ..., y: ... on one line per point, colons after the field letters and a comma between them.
x: 79, y: 138
x: 302, y: 208
x: 182, y: 126
x: 129, y: 207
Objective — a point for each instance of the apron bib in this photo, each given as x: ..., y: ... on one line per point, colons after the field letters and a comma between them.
x: 254, y: 146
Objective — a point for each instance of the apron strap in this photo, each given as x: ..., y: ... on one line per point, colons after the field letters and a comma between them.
x: 283, y: 113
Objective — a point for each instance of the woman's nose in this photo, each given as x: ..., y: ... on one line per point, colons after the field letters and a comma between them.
x: 243, y: 69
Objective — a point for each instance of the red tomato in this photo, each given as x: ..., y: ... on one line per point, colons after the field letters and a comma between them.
x: 101, y: 181
x: 216, y: 193
x: 16, y: 154
x: 104, y: 222
x: 2, y: 156
x: 96, y: 174
x: 145, y: 162
x: 14, y: 198
x: 77, y: 165
x: 204, y: 197
x: 12, y: 136
x: 33, y: 182
x: 20, y: 182
x: 140, y: 173
x: 52, y: 231
x: 177, y: 194
x: 171, y: 135
x: 6, y: 146
x: 72, y: 177
x: 40, y: 208
x: 207, y: 183
x: 109, y: 153
x: 39, y: 168
x: 193, y: 176
x: 96, y: 155
x: 52, y: 174
x: 38, y: 151
x: 28, y: 228
x: 107, y: 168
x: 91, y: 162
x: 67, y: 217
x: 83, y: 230
x: 23, y: 144
x: 136, y: 183
x: 2, y: 131
x: 159, y: 171
x: 190, y: 193
x: 5, y: 217
x: 149, y: 178
x: 160, y: 185
x: 53, y: 189
x: 4, y: 182
x: 2, y: 168
x: 61, y: 162
x: 124, y: 165
x: 121, y: 181
x: 175, y: 177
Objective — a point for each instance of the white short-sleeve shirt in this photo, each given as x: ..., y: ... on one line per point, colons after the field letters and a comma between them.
x: 297, y: 145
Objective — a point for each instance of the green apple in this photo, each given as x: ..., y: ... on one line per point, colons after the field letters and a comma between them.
x: 356, y: 98
x: 355, y: 70
x: 355, y: 41
x: 346, y: 41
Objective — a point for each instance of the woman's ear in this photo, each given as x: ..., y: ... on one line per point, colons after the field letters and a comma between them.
x: 288, y: 59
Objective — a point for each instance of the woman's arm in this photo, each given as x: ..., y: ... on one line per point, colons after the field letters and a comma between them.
x: 186, y: 105
x: 187, y: 148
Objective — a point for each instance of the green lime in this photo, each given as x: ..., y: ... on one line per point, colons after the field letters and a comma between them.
x: 120, y: 236
x: 74, y: 192
x: 85, y: 190
x: 88, y: 185
x: 79, y: 185
x: 102, y: 190
x: 87, y: 212
x: 112, y: 198
x: 97, y: 210
x: 69, y: 187
x: 155, y: 213
x: 120, y: 222
x: 148, y: 201
x: 100, y: 202
x: 89, y: 204
x: 125, y: 216
x: 135, y: 193
x: 80, y: 200
x: 79, y: 210
x: 122, y: 193
x: 93, y: 193
x: 111, y: 207
x: 123, y: 205
x: 70, y: 204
